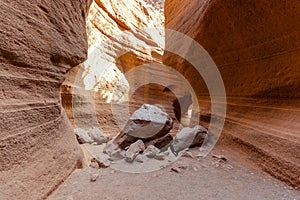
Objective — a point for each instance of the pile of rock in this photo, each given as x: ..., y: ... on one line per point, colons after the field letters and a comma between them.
x: 146, y: 135
x: 91, y: 135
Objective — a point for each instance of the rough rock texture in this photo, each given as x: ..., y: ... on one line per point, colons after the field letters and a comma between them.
x: 147, y: 123
x: 255, y: 45
x: 151, y: 151
x: 133, y: 150
x: 161, y: 142
x: 93, y: 135
x: 189, y: 137
x: 39, y: 42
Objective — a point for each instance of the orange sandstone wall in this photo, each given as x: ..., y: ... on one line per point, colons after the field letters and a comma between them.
x: 255, y: 44
x: 39, y: 42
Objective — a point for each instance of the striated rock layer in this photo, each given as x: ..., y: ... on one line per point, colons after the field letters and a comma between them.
x: 256, y: 47
x: 39, y: 42
x: 121, y: 36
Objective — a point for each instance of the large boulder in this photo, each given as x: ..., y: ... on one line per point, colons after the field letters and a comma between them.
x: 189, y: 137
x: 147, y: 123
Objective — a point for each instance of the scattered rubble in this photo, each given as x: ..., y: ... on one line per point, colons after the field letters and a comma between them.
x: 146, y: 135
x: 97, y: 164
x: 220, y: 157
x: 187, y: 154
x: 221, y: 161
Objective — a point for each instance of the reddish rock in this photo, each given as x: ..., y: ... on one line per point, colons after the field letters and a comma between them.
x: 161, y: 142
x: 39, y: 42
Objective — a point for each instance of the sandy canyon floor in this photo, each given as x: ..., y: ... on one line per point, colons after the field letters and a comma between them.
x: 198, y: 178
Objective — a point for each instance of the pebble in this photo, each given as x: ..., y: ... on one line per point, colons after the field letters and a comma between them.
x: 176, y: 169
x: 94, y: 177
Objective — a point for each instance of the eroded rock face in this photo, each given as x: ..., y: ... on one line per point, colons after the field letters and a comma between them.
x: 39, y: 43
x: 119, y: 40
x: 252, y: 43
x: 255, y: 45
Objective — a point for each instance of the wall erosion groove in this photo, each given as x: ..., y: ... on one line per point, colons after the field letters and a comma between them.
x: 39, y: 42
x: 255, y: 45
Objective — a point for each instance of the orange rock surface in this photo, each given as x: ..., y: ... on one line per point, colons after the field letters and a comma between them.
x: 255, y: 45
x: 39, y: 43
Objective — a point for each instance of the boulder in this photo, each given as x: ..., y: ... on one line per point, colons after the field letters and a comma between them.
x: 90, y: 136
x: 189, y: 137
x: 147, y: 123
x: 97, y: 135
x: 82, y: 136
x: 133, y: 150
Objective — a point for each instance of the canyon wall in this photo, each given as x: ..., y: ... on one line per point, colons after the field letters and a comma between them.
x: 121, y: 36
x: 255, y: 44
x: 39, y: 42
x: 256, y: 47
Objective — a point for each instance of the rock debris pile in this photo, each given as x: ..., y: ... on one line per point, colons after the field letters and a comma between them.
x: 146, y: 136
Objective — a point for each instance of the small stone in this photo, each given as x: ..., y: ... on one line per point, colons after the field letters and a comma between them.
x: 187, y: 154
x: 220, y: 157
x: 195, y: 169
x: 162, y: 166
x: 160, y: 156
x: 176, y: 169
x: 110, y: 147
x: 95, y: 163
x: 117, y: 155
x: 94, y: 177
x: 151, y: 151
x: 183, y: 167
x: 139, y: 158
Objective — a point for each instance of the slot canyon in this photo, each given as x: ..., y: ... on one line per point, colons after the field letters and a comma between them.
x: 150, y: 99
